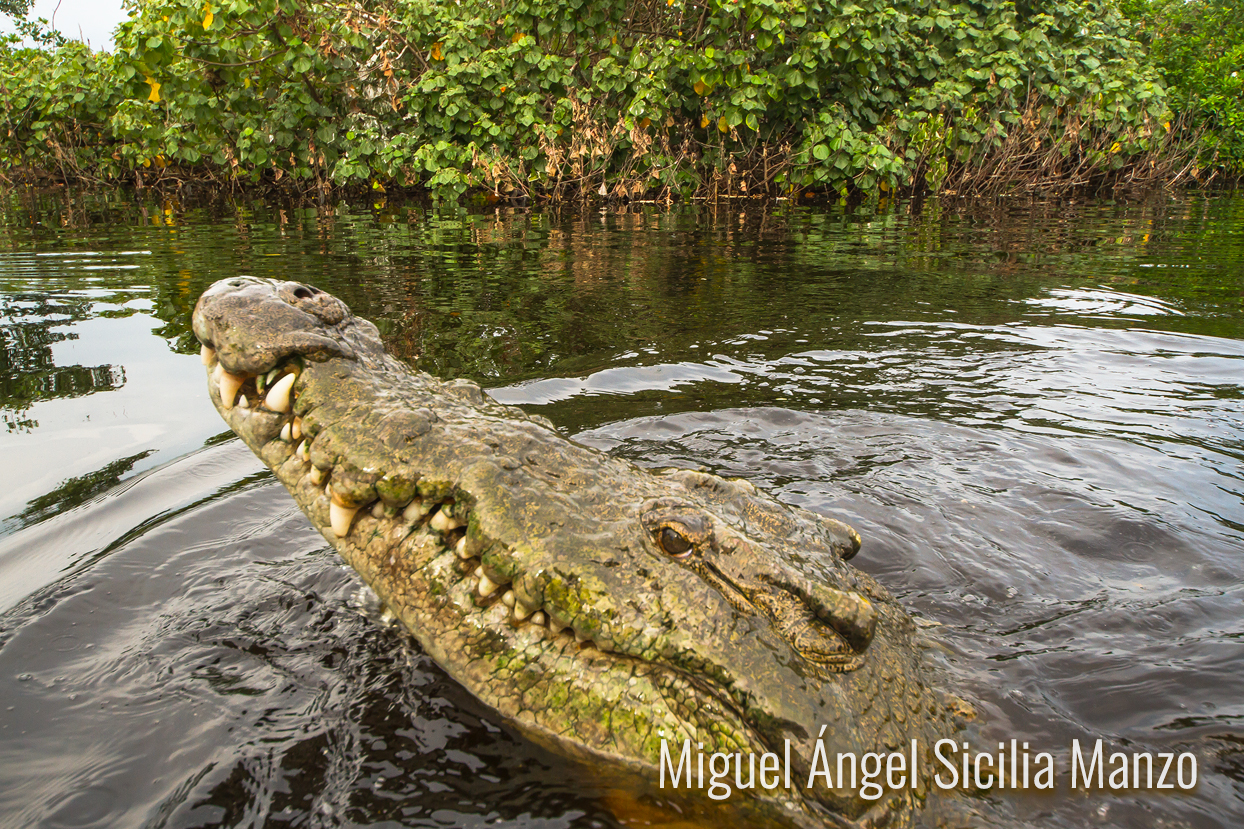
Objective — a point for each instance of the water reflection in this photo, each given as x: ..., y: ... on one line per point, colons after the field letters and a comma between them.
x: 78, y: 490
x: 28, y: 372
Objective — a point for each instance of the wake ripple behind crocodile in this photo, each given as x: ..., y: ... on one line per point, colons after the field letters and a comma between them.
x: 599, y: 606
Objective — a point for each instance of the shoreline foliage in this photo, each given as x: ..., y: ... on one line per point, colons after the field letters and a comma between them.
x: 1198, y: 47
x: 617, y: 98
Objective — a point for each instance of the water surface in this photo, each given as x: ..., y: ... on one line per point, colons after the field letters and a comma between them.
x: 1034, y: 414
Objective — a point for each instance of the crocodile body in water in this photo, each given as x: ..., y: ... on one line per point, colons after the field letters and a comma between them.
x: 601, y: 607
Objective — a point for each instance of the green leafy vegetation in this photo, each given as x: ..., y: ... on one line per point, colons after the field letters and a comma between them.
x: 561, y: 98
x: 1198, y: 46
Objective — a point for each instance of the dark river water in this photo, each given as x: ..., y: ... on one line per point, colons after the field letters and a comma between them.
x: 1033, y: 414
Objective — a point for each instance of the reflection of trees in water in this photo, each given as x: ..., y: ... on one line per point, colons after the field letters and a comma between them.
x: 519, y: 295
x: 27, y: 371
x: 77, y: 490
x: 506, y: 295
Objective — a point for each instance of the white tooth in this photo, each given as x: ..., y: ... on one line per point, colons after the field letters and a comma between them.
x: 317, y: 475
x: 229, y: 385
x: 207, y: 354
x: 278, y: 396
x: 415, y: 510
x: 507, y: 598
x: 216, y: 372
x: 486, y: 585
x: 378, y: 510
x: 522, y: 611
x: 341, y: 517
x: 296, y: 428
x: 479, y: 571
x: 285, y: 432
x: 443, y: 522
x: 302, y: 453
x: 461, y: 548
x: 537, y: 618
x: 244, y: 402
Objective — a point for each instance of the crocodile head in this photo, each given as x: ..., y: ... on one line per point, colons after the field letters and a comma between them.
x: 600, y: 606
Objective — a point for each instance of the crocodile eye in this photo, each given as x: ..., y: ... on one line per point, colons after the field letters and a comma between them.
x: 673, y: 543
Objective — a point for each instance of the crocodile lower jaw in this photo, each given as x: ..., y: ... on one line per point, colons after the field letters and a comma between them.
x: 271, y: 394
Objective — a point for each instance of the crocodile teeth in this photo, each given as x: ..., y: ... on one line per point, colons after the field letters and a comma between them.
x: 415, y: 510
x: 507, y: 598
x: 461, y: 549
x: 244, y: 402
x: 295, y: 428
x: 522, y: 611
x: 443, y: 522
x: 302, y: 452
x: 340, y: 517
x: 537, y: 618
x: 207, y: 354
x: 317, y: 475
x: 377, y: 511
x: 278, y: 396
x: 229, y: 385
x: 486, y: 585
x: 286, y: 432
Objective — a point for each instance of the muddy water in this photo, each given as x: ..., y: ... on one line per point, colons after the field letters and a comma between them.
x: 1033, y: 414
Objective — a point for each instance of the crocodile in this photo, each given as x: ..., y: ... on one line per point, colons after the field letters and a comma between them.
x: 622, y: 615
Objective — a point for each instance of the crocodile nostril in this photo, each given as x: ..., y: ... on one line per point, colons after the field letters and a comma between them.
x: 303, y: 292
x: 845, y: 540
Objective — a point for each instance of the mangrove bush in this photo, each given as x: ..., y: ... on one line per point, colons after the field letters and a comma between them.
x: 622, y: 98
x: 1198, y: 47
